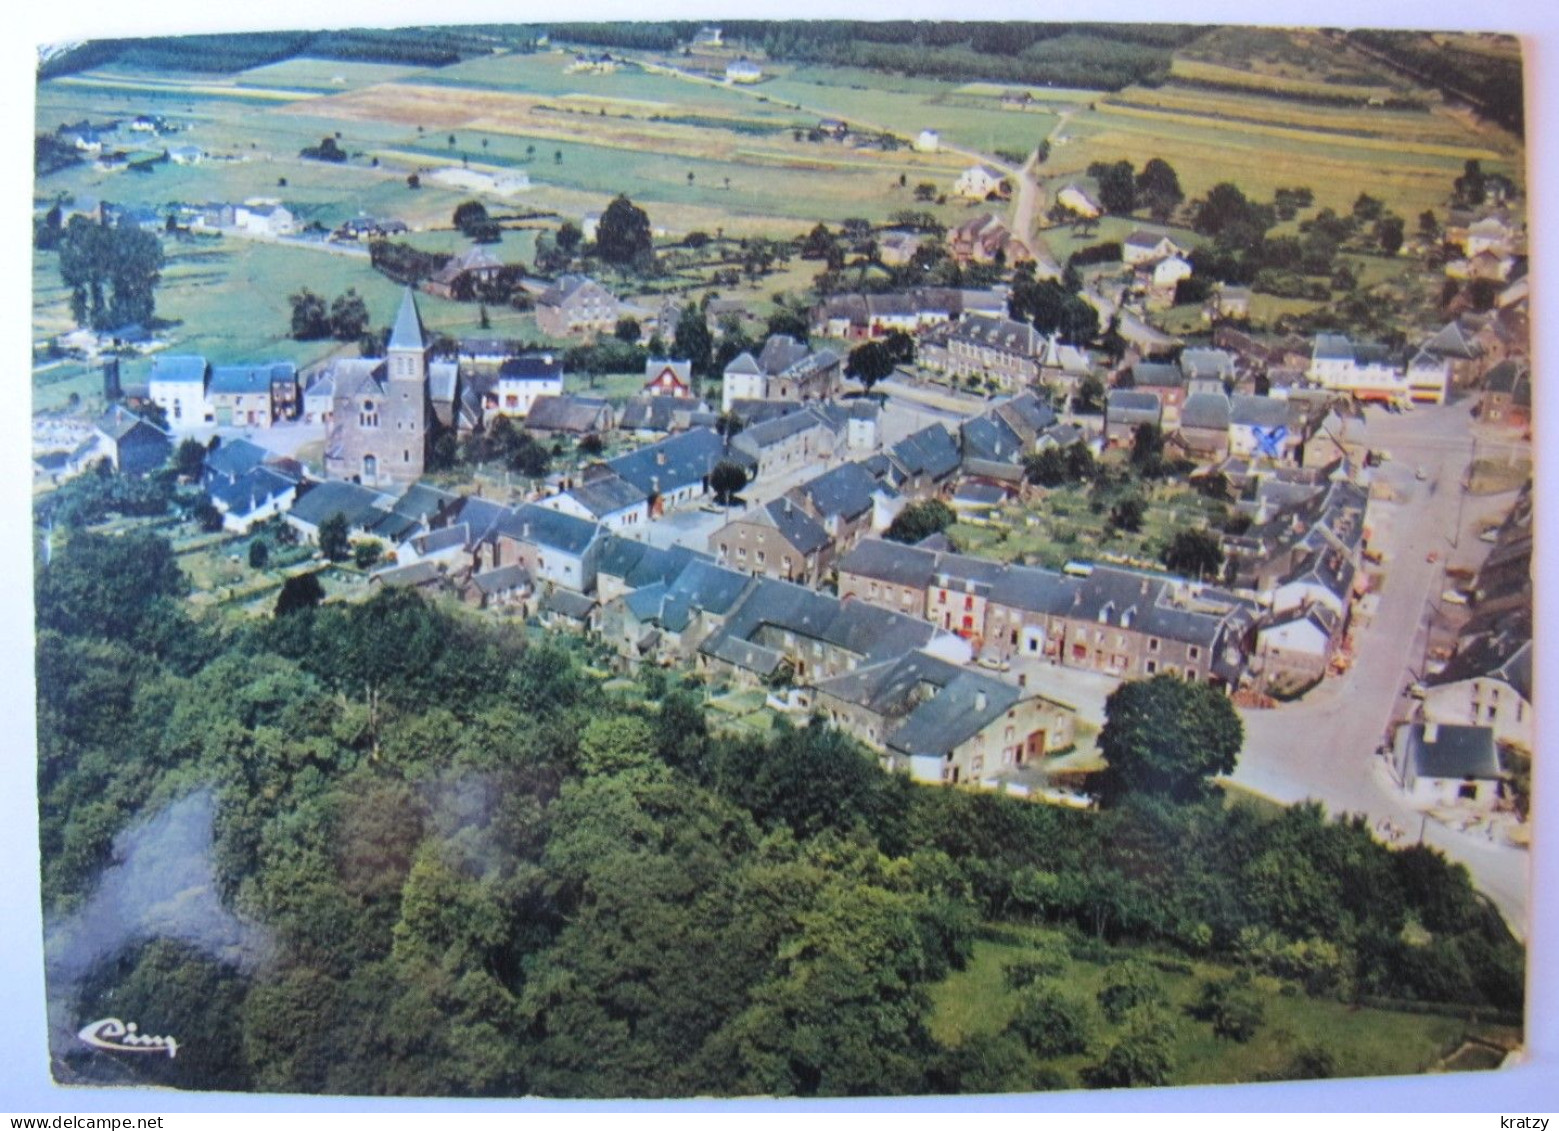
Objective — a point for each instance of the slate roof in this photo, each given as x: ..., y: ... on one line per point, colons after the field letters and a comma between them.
x: 234, y: 457
x: 702, y: 586
x: 443, y: 379
x: 606, y: 495
x: 844, y: 492
x: 892, y: 562
x: 744, y: 363
x: 567, y: 413
x: 249, y: 379
x: 1129, y: 404
x: 1260, y: 412
x: 542, y: 526
x: 891, y: 688
x: 361, y: 506
x: 853, y: 626
x: 450, y: 537
x: 1002, y: 334
x: 1205, y: 410
x: 793, y: 523
x: 980, y: 494
x: 1502, y: 651
x: 954, y: 715
x: 1196, y: 363
x: 639, y: 563
x: 676, y: 462
x: 1113, y: 595
x: 1153, y: 375
x: 776, y: 430
x: 409, y: 576
x: 421, y: 502
x: 932, y: 451
x: 1333, y: 347
x: 1027, y: 411
x: 407, y: 332
x: 566, y: 603
x: 1457, y: 752
x: 658, y: 413
x: 532, y: 367
x: 780, y: 353
x: 1143, y: 237
x: 497, y: 580
x: 754, y: 411
x: 251, y: 491
x: 183, y: 369
x: 1452, y: 341
x: 992, y: 439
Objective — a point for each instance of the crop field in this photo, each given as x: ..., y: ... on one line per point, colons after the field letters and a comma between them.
x: 1363, y: 1041
x: 322, y: 75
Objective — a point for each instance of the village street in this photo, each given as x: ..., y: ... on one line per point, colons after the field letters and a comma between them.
x: 1322, y: 747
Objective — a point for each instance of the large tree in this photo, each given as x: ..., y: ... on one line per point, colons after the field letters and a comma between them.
x: 726, y: 480
x: 1166, y: 736
x: 921, y: 520
x: 112, y: 273
x: 869, y: 363
x: 693, y: 343
x: 1195, y: 553
x: 1158, y: 189
x: 623, y: 236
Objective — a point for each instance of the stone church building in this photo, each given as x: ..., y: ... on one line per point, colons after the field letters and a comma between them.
x: 381, y: 415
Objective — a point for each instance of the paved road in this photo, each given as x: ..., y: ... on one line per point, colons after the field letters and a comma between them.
x: 1321, y: 748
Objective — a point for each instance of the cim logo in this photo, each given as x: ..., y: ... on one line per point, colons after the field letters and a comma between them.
x: 119, y: 1036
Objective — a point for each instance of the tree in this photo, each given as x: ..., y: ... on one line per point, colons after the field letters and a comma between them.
x: 1428, y: 226
x: 692, y: 342
x: 1471, y: 186
x: 1158, y: 188
x: 333, y: 538
x: 112, y: 273
x: 189, y: 459
x: 1117, y: 186
x: 1144, y: 1056
x: 726, y: 480
x: 259, y: 554
x: 1233, y: 1006
x: 925, y: 192
x: 348, y: 316
x: 310, y: 316
x: 869, y: 363
x: 623, y: 236
x: 413, y: 181
x: 626, y: 330
x: 1047, y: 468
x: 1128, y: 514
x: 1147, y: 445
x: 98, y: 585
x: 569, y: 237
x: 1166, y: 736
x: 1050, y: 1023
x: 298, y: 593
x: 1127, y: 986
x: 1389, y: 233
x: 469, y: 214
x: 921, y: 520
x: 366, y: 554
x: 900, y: 347
x: 1195, y: 553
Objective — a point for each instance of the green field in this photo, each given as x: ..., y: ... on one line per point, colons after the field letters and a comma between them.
x: 1362, y: 1041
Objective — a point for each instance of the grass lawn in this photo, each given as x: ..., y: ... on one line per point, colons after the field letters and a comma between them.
x: 1363, y: 1041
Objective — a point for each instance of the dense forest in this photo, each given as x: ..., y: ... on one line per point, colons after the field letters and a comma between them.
x: 453, y: 858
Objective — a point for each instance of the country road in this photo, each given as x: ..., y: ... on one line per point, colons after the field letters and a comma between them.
x: 1322, y: 747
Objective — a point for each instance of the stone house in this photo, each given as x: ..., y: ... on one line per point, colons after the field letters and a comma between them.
x: 577, y: 304
x: 778, y: 539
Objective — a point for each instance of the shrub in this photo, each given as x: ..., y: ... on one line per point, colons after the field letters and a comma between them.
x: 1050, y: 1023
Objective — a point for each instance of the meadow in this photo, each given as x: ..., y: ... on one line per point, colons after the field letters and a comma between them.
x: 1362, y: 1041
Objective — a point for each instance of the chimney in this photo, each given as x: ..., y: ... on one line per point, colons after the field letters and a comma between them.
x: 525, y: 531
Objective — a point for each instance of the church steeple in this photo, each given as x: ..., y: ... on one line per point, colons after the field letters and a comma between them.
x: 408, y: 349
x: 407, y: 334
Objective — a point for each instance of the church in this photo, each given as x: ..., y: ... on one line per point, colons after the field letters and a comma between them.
x: 381, y: 416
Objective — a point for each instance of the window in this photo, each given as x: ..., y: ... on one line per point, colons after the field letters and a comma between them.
x: 1194, y: 652
x: 941, y: 596
x: 1152, y: 644
x: 968, y: 603
x: 760, y: 557
x: 1152, y: 666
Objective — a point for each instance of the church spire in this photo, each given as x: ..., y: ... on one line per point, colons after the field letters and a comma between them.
x: 407, y: 334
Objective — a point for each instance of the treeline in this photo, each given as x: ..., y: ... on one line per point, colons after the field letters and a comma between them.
x: 1104, y: 56
x: 1492, y: 82
x: 225, y: 53
x: 485, y: 873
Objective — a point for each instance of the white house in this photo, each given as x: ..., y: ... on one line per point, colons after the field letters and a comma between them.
x: 1439, y: 764
x: 1364, y: 371
x: 743, y: 379
x: 177, y: 385
x: 264, y: 219
x: 522, y: 379
x: 1077, y: 201
x: 1169, y: 271
x: 1297, y: 647
x: 977, y: 182
x: 929, y: 141
x: 743, y: 70
x: 1487, y: 684
x: 1144, y: 246
x: 609, y: 500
